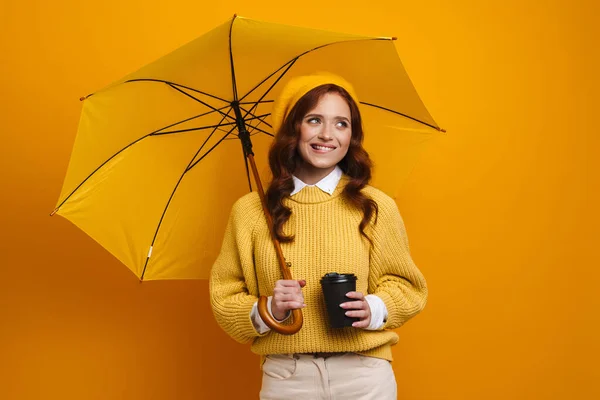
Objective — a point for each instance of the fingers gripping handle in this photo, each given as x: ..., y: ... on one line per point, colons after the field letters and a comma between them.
x: 276, y: 326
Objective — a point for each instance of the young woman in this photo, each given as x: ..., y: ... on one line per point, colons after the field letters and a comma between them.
x: 328, y: 219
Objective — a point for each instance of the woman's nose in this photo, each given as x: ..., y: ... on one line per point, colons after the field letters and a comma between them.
x: 325, y: 133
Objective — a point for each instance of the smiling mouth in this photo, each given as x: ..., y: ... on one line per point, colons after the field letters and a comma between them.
x: 319, y: 147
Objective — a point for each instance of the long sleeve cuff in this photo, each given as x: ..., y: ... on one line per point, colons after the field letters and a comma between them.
x: 258, y: 322
x: 378, y: 312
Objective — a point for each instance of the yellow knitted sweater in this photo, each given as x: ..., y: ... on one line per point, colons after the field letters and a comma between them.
x: 327, y: 239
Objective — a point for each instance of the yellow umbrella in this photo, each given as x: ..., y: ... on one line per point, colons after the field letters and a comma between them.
x: 157, y: 161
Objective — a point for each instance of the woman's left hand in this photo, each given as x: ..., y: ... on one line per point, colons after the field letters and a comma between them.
x: 358, y: 309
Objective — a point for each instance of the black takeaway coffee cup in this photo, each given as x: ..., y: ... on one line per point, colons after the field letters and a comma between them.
x: 335, y: 286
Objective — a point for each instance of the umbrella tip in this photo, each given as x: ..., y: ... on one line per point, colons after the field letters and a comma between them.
x: 54, y: 212
x: 82, y: 98
x: 394, y: 38
x: 234, y: 15
x: 442, y: 130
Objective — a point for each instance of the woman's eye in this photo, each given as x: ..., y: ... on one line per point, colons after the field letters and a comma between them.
x: 314, y: 120
x: 342, y: 124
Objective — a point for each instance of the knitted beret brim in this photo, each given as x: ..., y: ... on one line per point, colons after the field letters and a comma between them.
x: 298, y: 87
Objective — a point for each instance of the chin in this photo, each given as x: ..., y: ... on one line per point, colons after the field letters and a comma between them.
x: 323, y: 165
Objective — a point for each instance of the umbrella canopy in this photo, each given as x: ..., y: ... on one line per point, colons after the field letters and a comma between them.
x: 157, y: 161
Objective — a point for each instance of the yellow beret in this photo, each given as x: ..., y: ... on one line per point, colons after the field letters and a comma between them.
x: 298, y: 87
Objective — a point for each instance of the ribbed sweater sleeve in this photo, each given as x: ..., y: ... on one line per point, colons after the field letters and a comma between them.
x: 232, y: 275
x: 393, y: 275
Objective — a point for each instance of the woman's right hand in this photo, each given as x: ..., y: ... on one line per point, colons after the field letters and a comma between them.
x: 287, y: 296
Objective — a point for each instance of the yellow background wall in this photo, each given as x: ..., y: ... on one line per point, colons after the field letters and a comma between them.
x: 502, y: 213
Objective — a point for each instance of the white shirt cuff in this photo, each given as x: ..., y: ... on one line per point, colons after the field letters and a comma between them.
x: 257, y: 321
x: 378, y: 312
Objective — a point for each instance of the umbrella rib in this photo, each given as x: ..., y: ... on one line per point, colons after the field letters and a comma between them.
x: 255, y: 102
x: 221, y: 130
x: 259, y: 117
x: 260, y: 121
x: 186, y: 120
x: 124, y: 148
x: 211, y: 149
x: 233, y: 81
x: 289, y: 65
x: 175, y: 189
x: 404, y: 115
x: 236, y: 137
x: 303, y: 54
x: 260, y: 130
x: 176, y: 84
x: 198, y: 100
x: 193, y: 129
x: 96, y: 170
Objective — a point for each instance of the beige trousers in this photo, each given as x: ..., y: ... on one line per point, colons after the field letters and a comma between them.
x: 336, y: 377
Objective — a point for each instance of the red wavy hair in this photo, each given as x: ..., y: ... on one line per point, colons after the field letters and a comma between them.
x: 284, y: 158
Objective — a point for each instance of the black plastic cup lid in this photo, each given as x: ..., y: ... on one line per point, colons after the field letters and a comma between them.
x: 334, y: 277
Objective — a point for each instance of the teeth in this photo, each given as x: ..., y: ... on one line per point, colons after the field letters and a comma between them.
x: 322, y: 148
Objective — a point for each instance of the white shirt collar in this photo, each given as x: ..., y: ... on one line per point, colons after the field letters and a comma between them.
x: 327, y: 184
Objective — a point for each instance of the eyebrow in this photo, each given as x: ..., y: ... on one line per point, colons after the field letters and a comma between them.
x: 321, y: 116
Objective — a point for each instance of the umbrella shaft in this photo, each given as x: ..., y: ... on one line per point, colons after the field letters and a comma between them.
x: 263, y: 311
x: 282, y: 264
x: 243, y: 133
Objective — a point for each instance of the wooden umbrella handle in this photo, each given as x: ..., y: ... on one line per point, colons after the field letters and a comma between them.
x: 276, y: 326
x: 263, y: 310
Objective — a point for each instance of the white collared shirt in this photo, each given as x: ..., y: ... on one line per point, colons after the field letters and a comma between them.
x: 327, y: 184
x: 378, y: 309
